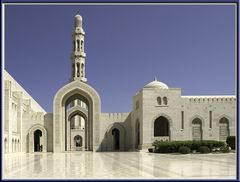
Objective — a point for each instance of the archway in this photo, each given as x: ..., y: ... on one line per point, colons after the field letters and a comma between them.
x: 223, y: 129
x: 71, y: 91
x: 116, y: 139
x: 76, y: 123
x: 161, y: 127
x: 37, y: 141
x: 196, y: 129
x: 78, y: 141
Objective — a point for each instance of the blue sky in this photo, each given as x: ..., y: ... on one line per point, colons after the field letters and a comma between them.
x: 191, y: 47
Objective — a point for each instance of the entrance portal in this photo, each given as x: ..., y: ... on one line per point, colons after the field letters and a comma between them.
x: 37, y: 141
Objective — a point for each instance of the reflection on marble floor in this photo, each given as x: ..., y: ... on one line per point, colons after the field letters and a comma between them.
x: 119, y: 165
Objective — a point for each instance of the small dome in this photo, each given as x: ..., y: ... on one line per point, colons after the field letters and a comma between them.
x: 78, y: 17
x: 156, y: 84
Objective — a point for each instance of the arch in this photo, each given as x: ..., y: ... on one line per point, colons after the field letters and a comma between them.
x: 86, y: 93
x: 224, y: 130
x: 197, y: 129
x: 116, y: 137
x: 77, y: 110
x: 161, y: 127
x: 78, y: 141
x: 169, y: 122
x: 224, y: 116
x: 199, y: 117
x: 32, y: 137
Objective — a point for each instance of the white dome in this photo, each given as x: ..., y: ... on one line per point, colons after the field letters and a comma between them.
x: 78, y: 17
x: 156, y: 84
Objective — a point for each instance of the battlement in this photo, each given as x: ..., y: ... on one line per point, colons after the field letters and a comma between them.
x: 201, y: 99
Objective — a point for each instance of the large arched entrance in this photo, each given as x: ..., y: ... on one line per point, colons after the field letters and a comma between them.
x: 223, y: 129
x: 162, y: 128
x: 197, y: 129
x: 115, y: 137
x: 76, y: 100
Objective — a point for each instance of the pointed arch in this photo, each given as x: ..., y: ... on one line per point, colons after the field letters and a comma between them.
x: 32, y: 137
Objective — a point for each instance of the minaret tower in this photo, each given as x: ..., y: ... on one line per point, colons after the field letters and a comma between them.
x: 78, y: 55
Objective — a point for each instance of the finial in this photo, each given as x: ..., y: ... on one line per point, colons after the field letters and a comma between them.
x: 78, y: 12
x: 155, y: 78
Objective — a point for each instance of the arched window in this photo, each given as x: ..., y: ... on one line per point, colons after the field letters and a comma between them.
x: 78, y: 70
x: 197, y: 129
x: 223, y: 129
x: 82, y: 67
x: 82, y: 45
x: 165, y: 101
x: 161, y: 127
x: 78, y: 45
x: 159, y: 100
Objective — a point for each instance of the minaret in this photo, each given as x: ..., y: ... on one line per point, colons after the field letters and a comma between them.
x: 78, y: 55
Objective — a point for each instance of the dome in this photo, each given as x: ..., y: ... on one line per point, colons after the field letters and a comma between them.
x: 78, y: 21
x: 78, y: 17
x: 156, y: 84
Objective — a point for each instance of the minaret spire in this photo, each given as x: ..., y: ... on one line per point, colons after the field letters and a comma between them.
x: 78, y: 55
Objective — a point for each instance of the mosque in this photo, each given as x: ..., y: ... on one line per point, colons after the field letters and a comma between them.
x: 77, y: 123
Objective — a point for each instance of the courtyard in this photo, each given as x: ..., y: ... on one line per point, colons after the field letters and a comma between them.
x: 118, y: 165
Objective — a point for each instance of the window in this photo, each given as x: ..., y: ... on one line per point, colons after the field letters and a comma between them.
x: 78, y: 70
x: 210, y: 119
x: 78, y: 45
x: 82, y: 45
x: 182, y: 123
x: 82, y: 67
x: 165, y: 101
x: 159, y: 100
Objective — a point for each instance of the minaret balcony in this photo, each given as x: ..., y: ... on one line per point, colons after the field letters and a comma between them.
x: 80, y: 54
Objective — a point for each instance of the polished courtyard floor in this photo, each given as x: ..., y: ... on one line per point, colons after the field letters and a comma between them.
x: 124, y: 165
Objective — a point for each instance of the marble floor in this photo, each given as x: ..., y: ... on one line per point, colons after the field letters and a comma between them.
x: 123, y: 165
